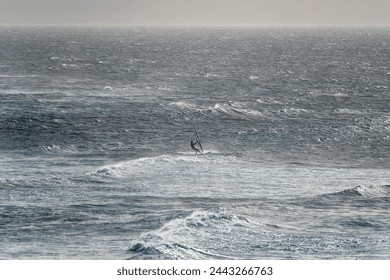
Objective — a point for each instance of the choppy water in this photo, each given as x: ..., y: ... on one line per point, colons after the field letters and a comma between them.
x: 95, y: 161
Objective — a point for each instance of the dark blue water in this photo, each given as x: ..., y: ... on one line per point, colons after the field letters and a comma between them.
x: 95, y: 161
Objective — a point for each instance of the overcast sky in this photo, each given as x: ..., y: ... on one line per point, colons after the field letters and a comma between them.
x: 195, y: 12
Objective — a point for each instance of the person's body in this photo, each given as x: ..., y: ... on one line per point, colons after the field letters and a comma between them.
x: 194, y: 148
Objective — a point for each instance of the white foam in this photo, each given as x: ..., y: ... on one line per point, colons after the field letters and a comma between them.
x: 183, y: 104
x: 374, y: 191
x: 69, y: 65
x: 189, y: 237
x: 155, y: 165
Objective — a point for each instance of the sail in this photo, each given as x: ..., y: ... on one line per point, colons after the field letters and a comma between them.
x: 197, y: 136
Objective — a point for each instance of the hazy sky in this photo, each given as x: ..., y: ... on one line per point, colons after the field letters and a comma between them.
x: 195, y: 12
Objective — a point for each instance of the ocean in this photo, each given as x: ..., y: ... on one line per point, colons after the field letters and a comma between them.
x: 95, y: 131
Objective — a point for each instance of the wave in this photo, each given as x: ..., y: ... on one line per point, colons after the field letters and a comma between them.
x: 151, y: 165
x: 265, y: 108
x: 351, y: 111
x: 49, y: 180
x: 362, y: 192
x: 295, y: 111
x: 184, y: 104
x: 360, y: 198
x: 269, y: 101
x: 54, y: 149
x: 190, y: 237
x: 237, y: 109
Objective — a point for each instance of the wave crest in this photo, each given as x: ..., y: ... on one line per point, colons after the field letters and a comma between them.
x: 190, y: 237
x: 152, y: 165
x: 361, y: 191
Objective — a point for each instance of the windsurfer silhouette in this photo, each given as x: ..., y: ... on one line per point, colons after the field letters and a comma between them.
x: 194, y: 148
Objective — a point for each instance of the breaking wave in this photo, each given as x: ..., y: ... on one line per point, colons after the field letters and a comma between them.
x: 190, y: 237
x: 152, y: 165
x: 362, y: 192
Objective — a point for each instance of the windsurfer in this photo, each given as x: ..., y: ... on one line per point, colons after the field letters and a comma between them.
x: 194, y: 148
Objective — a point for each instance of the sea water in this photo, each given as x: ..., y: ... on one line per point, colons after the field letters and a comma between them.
x: 95, y: 131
